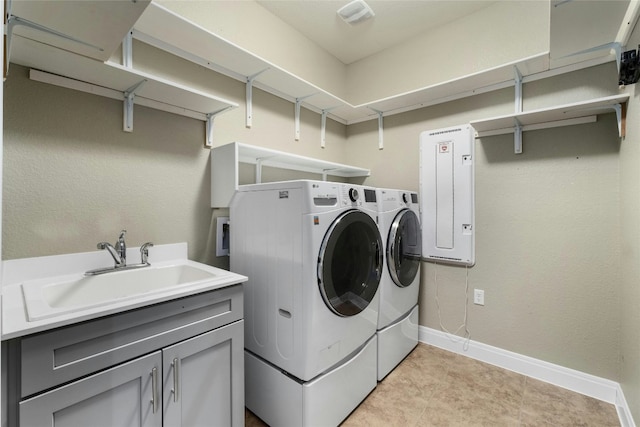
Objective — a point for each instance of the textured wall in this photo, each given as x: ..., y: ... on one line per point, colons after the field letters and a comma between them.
x: 630, y: 213
x: 73, y: 178
x: 547, y: 224
x: 630, y: 293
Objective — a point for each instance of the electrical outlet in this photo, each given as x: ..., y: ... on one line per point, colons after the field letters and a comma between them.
x: 478, y: 296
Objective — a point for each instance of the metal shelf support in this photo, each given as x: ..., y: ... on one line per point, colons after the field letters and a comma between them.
x: 380, y: 131
x: 249, y: 96
x: 517, y: 134
x: 129, y: 95
x: 209, y: 130
x: 127, y: 50
x: 323, y: 127
x: 380, y: 128
x: 297, y: 115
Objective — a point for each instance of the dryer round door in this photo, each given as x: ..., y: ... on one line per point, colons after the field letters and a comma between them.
x: 404, y: 248
x: 350, y: 263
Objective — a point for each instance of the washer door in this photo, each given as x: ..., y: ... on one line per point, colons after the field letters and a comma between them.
x: 350, y: 263
x: 404, y: 248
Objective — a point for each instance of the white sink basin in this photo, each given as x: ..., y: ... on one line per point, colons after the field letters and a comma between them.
x: 46, y: 298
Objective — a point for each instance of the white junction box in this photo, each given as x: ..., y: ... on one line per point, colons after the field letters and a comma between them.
x: 447, y: 195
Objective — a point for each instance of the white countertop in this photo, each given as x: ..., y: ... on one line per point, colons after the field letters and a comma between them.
x: 15, y: 321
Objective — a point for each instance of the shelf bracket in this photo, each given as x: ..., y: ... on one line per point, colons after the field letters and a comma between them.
x: 518, y: 88
x: 325, y: 172
x: 259, y: 171
x: 616, y: 46
x: 517, y: 132
x: 129, y: 95
x: 517, y: 137
x: 380, y: 131
x: 127, y: 50
x: 259, y: 161
x: 323, y: 127
x: 297, y: 115
x: 208, y: 143
x: 380, y: 128
x: 249, y: 88
x: 621, y: 116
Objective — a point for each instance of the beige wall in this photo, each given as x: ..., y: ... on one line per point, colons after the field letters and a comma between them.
x: 73, y: 178
x: 630, y: 280
x: 630, y: 292
x: 503, y: 33
x: 547, y: 222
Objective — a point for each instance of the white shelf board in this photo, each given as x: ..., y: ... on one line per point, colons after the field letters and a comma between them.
x: 226, y: 158
x: 197, y: 44
x: 100, y: 26
x: 154, y: 91
x: 549, y: 115
x: 279, y: 159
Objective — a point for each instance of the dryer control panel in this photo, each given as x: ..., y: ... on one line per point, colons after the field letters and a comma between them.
x: 358, y: 196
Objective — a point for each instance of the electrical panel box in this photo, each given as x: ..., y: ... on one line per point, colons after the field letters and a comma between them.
x: 447, y: 195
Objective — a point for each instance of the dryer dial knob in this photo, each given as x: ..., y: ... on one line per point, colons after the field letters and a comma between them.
x: 405, y: 198
x: 353, y: 194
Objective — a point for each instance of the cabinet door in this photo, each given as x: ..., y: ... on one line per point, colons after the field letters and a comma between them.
x: 204, y: 379
x: 125, y: 396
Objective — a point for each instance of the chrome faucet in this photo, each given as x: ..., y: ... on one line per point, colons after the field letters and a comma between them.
x: 121, y: 248
x: 113, y: 252
x: 119, y: 255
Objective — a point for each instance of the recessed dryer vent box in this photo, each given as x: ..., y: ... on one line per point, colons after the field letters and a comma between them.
x: 447, y: 195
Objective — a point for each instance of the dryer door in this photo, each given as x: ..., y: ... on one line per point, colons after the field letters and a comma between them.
x: 350, y: 263
x: 404, y: 248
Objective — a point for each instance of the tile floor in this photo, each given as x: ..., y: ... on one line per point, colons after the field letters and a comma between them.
x: 433, y: 387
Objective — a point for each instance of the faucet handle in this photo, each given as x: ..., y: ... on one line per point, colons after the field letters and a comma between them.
x: 102, y: 245
x: 144, y: 252
x: 122, y: 233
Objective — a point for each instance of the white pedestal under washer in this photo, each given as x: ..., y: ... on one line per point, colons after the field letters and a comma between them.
x: 314, y: 257
x: 397, y: 328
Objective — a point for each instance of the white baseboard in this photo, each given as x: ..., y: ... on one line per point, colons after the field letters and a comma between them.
x: 580, y: 382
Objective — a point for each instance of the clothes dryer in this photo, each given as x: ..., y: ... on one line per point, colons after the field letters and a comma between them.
x: 314, y: 257
x: 397, y: 329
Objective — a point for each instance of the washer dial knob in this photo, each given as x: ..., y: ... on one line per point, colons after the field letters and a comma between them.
x: 353, y: 194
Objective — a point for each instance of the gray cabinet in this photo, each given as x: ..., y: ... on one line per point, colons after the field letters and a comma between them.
x: 176, y: 363
x: 121, y: 396
x: 200, y: 378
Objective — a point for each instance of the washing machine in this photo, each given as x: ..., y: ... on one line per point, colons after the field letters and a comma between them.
x: 314, y: 258
x: 397, y: 329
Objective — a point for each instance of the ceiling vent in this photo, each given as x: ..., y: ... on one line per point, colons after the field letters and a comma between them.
x: 355, y: 12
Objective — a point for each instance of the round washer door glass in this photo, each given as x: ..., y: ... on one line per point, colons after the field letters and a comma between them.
x: 350, y: 263
x: 404, y: 248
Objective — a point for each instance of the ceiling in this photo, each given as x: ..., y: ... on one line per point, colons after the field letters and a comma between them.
x: 395, y: 21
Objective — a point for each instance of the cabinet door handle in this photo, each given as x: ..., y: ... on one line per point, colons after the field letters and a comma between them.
x: 176, y: 378
x: 154, y: 388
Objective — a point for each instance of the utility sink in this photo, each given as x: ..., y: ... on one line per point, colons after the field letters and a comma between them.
x: 46, y: 298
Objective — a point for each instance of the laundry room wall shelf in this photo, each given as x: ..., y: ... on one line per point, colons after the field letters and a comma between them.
x: 195, y: 43
x: 225, y: 162
x: 563, y: 115
x: 62, y: 68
